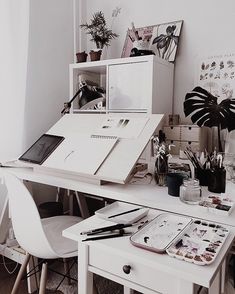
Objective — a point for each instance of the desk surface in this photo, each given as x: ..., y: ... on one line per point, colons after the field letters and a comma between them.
x: 201, y: 275
x: 149, y: 195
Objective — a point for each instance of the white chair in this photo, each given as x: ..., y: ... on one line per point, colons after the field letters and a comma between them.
x: 41, y: 238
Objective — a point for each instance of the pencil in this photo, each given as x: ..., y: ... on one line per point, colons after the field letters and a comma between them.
x: 129, y: 211
x: 121, y: 234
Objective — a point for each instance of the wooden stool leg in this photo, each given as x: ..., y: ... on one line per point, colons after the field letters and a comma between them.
x: 43, y: 279
x: 20, y: 274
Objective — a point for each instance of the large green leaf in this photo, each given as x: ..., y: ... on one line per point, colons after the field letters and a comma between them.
x: 204, y: 109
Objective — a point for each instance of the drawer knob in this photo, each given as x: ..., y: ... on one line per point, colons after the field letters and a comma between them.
x: 127, y: 269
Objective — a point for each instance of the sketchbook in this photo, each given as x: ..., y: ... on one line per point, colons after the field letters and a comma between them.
x: 81, y: 154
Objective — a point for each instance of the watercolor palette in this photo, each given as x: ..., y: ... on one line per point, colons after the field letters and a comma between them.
x: 158, y: 234
x: 200, y: 243
x: 181, y: 237
x: 217, y: 204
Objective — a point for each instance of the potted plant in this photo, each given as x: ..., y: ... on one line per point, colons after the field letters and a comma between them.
x: 162, y: 153
x: 205, y: 110
x: 100, y: 34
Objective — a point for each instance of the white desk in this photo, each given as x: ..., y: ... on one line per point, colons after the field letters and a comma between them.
x: 150, y: 272
x: 151, y: 196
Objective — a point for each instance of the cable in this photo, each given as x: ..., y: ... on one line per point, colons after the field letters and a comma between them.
x: 6, y: 268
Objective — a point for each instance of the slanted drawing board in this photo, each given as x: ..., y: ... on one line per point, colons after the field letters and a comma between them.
x: 121, y: 156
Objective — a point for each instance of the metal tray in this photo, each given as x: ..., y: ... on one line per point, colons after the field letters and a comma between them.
x: 159, y: 234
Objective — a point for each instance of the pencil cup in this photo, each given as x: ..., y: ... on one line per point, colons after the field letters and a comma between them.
x: 216, y: 180
x: 202, y: 175
x: 174, y: 181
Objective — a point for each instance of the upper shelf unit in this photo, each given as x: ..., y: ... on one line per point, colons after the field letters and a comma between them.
x: 135, y: 84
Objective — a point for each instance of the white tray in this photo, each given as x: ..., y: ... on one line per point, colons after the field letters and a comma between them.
x: 119, y: 207
x: 159, y: 234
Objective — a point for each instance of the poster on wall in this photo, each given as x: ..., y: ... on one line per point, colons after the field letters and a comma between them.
x: 216, y: 74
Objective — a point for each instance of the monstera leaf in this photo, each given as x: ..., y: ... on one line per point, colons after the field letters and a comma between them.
x: 205, y: 110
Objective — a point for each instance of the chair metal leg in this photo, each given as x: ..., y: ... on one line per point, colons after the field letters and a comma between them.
x: 43, y: 279
x: 20, y: 274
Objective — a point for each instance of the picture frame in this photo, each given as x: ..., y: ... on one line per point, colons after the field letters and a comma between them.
x: 162, y: 39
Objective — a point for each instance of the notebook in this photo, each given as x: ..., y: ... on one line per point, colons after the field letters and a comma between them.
x: 81, y: 154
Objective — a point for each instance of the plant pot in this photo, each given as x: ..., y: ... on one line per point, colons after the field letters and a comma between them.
x: 81, y: 56
x: 95, y: 55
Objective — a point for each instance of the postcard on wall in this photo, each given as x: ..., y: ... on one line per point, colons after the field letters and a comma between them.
x: 216, y: 74
x: 122, y: 127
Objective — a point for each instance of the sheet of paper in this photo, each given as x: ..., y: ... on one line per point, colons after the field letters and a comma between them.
x: 81, y: 154
x: 122, y: 127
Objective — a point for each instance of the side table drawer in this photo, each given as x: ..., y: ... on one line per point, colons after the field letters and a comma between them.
x: 131, y: 269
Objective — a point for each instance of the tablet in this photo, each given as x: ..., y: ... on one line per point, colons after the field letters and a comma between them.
x: 41, y: 149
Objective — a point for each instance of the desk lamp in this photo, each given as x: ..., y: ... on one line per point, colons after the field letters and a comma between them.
x: 88, y: 95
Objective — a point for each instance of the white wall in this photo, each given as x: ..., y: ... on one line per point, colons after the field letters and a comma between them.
x: 50, y: 52
x: 208, y: 28
x: 13, y: 60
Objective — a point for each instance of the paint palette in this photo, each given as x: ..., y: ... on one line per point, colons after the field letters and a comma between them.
x: 159, y: 234
x: 200, y: 242
x: 191, y: 240
x: 217, y: 204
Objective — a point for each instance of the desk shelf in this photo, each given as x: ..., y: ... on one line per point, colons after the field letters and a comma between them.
x: 135, y: 84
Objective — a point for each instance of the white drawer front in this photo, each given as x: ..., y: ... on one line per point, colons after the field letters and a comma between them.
x: 141, y: 274
x: 189, y: 133
x: 172, y: 132
x: 193, y: 145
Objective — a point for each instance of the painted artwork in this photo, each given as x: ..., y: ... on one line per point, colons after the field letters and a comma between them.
x: 217, y: 75
x: 162, y: 39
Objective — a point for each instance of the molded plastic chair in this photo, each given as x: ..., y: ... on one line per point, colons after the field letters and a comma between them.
x: 41, y: 238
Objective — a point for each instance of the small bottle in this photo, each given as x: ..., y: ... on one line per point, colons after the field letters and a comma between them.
x: 190, y: 191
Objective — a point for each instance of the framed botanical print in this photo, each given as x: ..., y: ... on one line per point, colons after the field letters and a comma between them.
x: 162, y: 39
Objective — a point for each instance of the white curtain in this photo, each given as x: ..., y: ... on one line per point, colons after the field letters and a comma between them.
x: 14, y: 30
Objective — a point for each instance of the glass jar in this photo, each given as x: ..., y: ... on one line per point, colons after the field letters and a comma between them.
x: 190, y: 191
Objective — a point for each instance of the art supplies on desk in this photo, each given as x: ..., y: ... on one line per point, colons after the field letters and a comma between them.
x: 123, y: 213
x: 195, y: 241
x: 81, y: 154
x: 221, y: 205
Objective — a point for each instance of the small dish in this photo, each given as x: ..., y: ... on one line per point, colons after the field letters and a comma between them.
x: 121, y: 207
